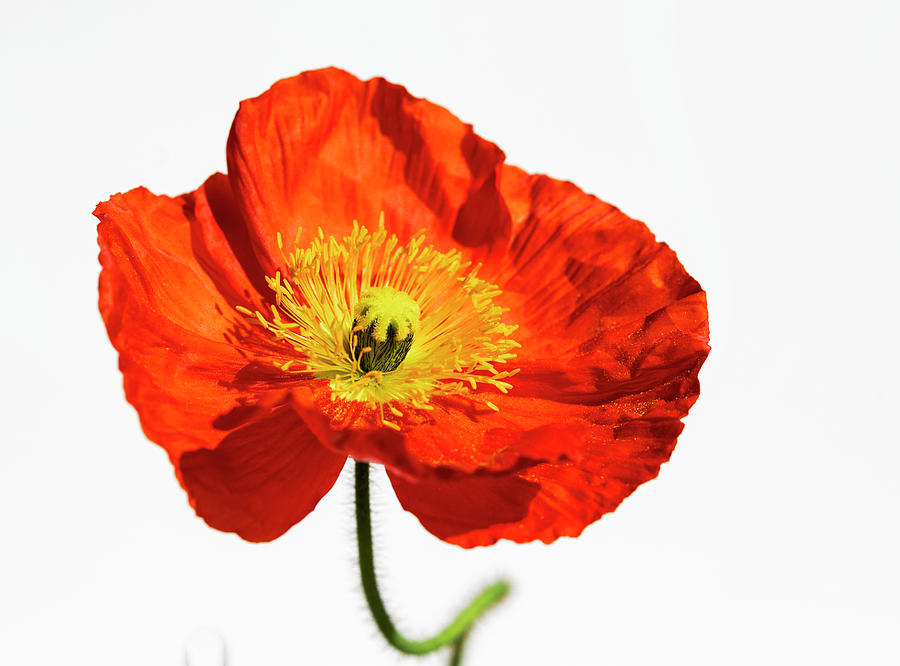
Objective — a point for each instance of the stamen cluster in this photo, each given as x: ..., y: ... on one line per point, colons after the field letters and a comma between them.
x: 322, y: 307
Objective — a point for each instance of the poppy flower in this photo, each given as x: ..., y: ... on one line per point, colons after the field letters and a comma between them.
x: 371, y: 279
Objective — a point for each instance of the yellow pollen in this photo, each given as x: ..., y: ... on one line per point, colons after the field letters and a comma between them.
x: 385, y: 308
x: 384, y: 323
x: 388, y: 324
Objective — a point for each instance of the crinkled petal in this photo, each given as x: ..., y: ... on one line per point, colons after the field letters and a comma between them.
x: 458, y: 436
x: 324, y: 148
x: 557, y: 406
x: 614, y: 332
x: 172, y: 273
x: 578, y: 268
x: 165, y: 288
x: 542, y: 502
x: 612, y: 329
x: 262, y: 477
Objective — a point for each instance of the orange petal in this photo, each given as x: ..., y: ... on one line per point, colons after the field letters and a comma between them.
x: 261, y: 478
x: 614, y: 332
x: 612, y: 328
x: 324, y: 148
x: 171, y: 318
x: 578, y: 267
x: 457, y: 437
x: 172, y: 273
x: 542, y: 502
x: 459, y: 509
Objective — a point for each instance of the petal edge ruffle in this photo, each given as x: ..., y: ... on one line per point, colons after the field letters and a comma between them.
x: 324, y: 148
x: 168, y: 285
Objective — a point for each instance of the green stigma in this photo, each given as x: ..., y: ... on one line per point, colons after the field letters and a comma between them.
x: 384, y: 322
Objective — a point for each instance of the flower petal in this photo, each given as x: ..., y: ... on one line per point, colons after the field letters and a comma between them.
x: 456, y: 437
x: 262, y: 477
x: 324, y: 148
x: 169, y: 317
x: 614, y: 332
x: 172, y: 272
x: 544, y: 501
x: 461, y: 509
x: 612, y: 329
x: 578, y: 267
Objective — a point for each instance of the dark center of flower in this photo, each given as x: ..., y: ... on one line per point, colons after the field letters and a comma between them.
x: 384, y: 323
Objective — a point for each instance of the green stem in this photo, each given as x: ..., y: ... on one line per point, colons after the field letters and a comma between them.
x: 456, y: 651
x: 455, y: 632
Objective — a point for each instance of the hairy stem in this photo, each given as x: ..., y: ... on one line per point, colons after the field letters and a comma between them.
x: 454, y: 633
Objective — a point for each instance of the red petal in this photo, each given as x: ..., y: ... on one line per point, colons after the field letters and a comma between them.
x: 614, y: 332
x: 172, y: 274
x: 578, y: 267
x: 168, y: 317
x: 457, y: 436
x: 262, y: 478
x: 324, y: 148
x: 545, y: 501
x: 459, y: 509
x: 464, y: 435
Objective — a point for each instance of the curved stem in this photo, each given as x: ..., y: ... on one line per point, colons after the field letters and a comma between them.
x: 454, y: 632
x: 456, y: 652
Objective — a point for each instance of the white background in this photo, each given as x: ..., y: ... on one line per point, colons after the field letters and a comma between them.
x: 759, y: 139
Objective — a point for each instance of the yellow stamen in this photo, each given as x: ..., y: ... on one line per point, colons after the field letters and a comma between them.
x: 339, y: 300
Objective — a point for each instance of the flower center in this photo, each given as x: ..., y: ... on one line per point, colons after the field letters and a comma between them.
x: 388, y: 324
x: 384, y: 322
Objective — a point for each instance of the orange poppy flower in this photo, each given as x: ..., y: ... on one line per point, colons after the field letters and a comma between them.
x: 518, y: 354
